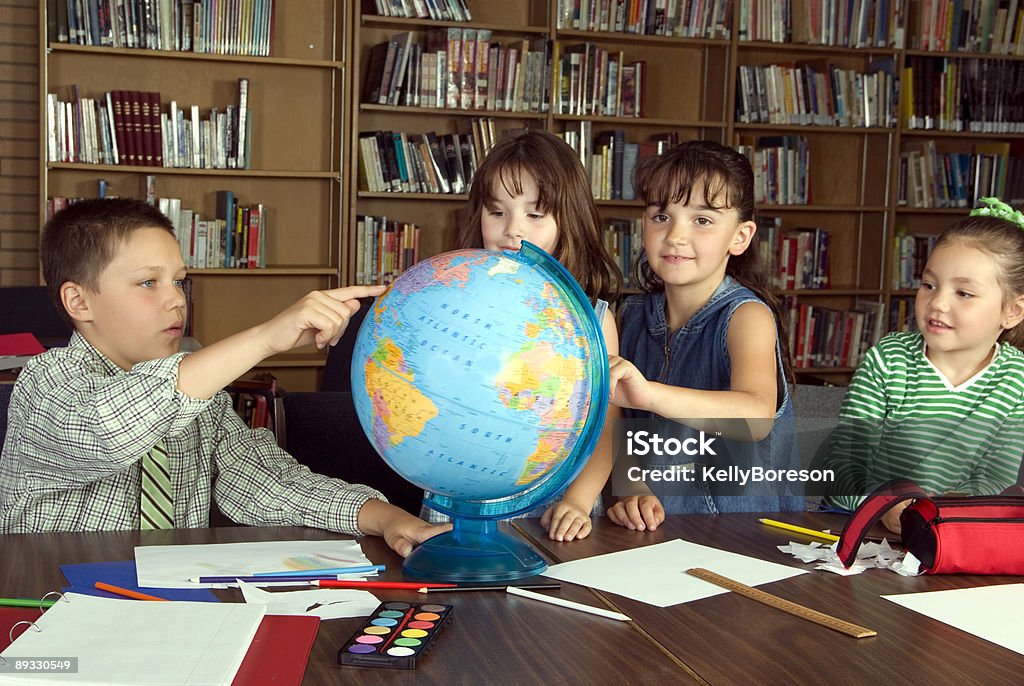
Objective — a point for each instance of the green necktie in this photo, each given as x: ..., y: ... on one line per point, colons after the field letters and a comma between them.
x: 156, y: 507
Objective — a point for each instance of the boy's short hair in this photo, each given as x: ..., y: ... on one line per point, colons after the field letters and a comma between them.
x: 82, y: 239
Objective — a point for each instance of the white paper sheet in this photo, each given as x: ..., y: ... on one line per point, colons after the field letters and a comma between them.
x: 117, y: 641
x: 171, y: 566
x: 656, y: 574
x: 989, y: 612
x: 325, y: 603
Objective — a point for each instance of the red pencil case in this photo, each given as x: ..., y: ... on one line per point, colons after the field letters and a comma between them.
x: 948, y: 534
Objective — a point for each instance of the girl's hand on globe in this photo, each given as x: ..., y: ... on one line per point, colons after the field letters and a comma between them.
x: 320, y: 317
x: 566, y: 521
x: 628, y: 387
x: 638, y: 513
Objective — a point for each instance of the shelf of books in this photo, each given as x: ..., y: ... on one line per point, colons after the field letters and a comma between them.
x: 870, y: 124
x: 431, y: 93
x: 606, y: 81
x: 961, y: 134
x: 231, y: 122
x: 815, y: 109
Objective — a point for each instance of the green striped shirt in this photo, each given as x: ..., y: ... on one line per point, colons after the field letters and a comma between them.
x: 901, y: 418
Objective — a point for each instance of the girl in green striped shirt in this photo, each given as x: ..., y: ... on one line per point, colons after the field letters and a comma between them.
x: 944, y: 406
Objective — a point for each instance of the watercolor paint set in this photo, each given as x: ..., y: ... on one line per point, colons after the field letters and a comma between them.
x: 396, y: 635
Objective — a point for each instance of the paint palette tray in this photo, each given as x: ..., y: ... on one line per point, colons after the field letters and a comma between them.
x: 396, y: 636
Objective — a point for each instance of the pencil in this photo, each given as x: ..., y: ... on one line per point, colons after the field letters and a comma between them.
x: 126, y: 592
x: 295, y: 579
x: 352, y: 583
x: 590, y: 609
x: 332, y: 571
x: 459, y: 589
x: 799, y: 529
x: 27, y: 602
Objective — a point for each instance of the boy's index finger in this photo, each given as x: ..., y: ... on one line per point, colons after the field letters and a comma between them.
x: 355, y: 292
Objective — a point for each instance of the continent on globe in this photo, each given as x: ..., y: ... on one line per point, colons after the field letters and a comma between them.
x: 399, y: 410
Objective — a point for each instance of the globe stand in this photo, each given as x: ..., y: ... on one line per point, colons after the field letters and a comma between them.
x: 474, y: 551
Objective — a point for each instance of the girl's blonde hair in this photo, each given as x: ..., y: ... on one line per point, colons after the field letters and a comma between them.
x: 564, y: 192
x: 1003, y: 241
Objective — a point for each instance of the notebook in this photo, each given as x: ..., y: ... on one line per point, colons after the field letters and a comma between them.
x: 9, y: 616
x: 279, y: 651
x: 199, y: 644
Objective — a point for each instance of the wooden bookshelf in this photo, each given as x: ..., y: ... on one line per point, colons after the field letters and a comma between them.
x: 310, y: 178
x: 692, y: 89
x: 702, y: 113
x: 296, y: 99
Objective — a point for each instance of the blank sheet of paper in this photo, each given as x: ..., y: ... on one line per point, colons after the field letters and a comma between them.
x: 656, y: 574
x: 989, y: 612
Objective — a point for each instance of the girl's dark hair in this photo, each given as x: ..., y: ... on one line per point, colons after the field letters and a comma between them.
x: 564, y: 190
x: 1003, y: 240
x: 82, y: 239
x: 728, y: 183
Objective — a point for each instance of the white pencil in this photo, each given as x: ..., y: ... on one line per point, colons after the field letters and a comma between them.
x: 567, y: 603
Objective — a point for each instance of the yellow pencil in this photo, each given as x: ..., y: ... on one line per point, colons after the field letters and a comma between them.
x: 799, y: 529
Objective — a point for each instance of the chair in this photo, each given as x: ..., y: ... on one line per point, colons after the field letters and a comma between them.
x: 29, y: 309
x: 817, y: 412
x: 323, y: 432
x: 338, y: 370
x: 5, y: 401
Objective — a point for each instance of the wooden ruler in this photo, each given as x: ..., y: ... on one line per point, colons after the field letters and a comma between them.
x: 783, y: 604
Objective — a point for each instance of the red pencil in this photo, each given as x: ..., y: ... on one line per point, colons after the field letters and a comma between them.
x: 413, y: 585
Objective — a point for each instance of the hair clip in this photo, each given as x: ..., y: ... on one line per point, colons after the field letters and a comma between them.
x: 1000, y: 210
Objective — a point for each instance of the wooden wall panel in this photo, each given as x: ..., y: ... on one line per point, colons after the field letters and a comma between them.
x: 19, y: 142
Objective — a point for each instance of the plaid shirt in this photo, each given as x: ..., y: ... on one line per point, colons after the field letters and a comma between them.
x: 79, y: 426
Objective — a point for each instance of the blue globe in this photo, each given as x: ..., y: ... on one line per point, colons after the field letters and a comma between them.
x: 482, y: 377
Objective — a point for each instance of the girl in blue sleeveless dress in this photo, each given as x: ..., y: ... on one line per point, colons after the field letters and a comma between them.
x: 703, y: 348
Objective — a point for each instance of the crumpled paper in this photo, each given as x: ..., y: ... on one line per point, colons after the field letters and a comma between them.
x: 870, y: 556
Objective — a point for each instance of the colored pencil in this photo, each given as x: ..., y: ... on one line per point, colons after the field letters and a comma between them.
x: 459, y: 589
x: 331, y: 571
x: 600, y: 612
x: 800, y: 529
x: 27, y: 602
x: 291, y: 578
x: 351, y: 583
x: 126, y: 592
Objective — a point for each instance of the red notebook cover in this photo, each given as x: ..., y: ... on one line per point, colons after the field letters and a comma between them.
x: 9, y: 616
x: 20, y: 344
x: 279, y: 651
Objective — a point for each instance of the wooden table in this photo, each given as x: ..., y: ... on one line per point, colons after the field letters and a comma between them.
x: 493, y: 638
x: 729, y: 639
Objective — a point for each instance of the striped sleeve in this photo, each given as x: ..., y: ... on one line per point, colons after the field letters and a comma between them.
x: 858, y: 432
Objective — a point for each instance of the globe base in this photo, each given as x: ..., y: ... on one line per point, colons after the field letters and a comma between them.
x: 474, y: 551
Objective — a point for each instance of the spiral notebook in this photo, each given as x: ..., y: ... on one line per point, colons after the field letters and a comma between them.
x: 9, y: 616
x: 200, y: 644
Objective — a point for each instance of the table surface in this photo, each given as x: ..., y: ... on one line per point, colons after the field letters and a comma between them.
x: 725, y: 639
x: 730, y: 639
x: 492, y: 638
